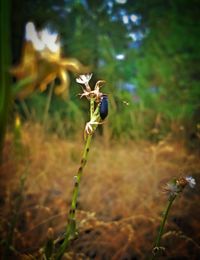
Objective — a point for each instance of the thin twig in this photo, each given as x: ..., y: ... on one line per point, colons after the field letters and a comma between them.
x: 48, y: 103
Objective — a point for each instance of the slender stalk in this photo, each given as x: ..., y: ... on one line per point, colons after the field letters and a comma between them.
x: 91, y: 107
x: 48, y: 103
x: 25, y: 109
x: 161, y: 229
x: 71, y: 227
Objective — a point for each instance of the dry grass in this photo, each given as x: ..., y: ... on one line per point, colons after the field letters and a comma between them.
x: 122, y: 185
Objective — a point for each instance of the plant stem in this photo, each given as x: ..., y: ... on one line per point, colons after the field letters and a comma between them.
x: 91, y: 107
x: 48, y: 103
x: 25, y: 109
x: 71, y: 227
x: 161, y: 229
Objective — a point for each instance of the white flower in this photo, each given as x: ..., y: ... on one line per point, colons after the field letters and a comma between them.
x: 191, y: 181
x: 172, y: 189
x: 84, y: 79
x: 43, y: 39
x: 32, y: 35
x: 88, y: 93
x: 50, y: 39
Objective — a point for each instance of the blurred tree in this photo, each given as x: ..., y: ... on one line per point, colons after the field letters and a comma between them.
x: 150, y: 46
x: 168, y: 61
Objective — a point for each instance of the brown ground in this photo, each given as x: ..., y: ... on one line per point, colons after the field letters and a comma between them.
x: 120, y: 202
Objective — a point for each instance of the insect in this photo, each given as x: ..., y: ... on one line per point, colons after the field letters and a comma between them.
x: 103, y: 109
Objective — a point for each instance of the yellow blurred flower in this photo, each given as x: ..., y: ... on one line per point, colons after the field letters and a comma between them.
x: 41, y: 60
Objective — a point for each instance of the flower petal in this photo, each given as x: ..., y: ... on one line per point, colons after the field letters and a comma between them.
x: 84, y: 79
x: 191, y: 181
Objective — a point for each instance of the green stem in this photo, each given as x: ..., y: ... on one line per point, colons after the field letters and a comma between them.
x: 91, y: 107
x: 25, y: 109
x: 71, y: 227
x: 161, y: 229
x: 48, y: 103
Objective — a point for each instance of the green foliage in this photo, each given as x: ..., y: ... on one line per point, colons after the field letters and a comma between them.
x: 168, y: 59
x: 65, y: 117
x: 163, y: 65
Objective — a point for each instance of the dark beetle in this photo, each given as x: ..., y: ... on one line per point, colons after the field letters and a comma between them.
x: 103, y: 109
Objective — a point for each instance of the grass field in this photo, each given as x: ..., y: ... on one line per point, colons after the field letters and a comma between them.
x: 120, y: 202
